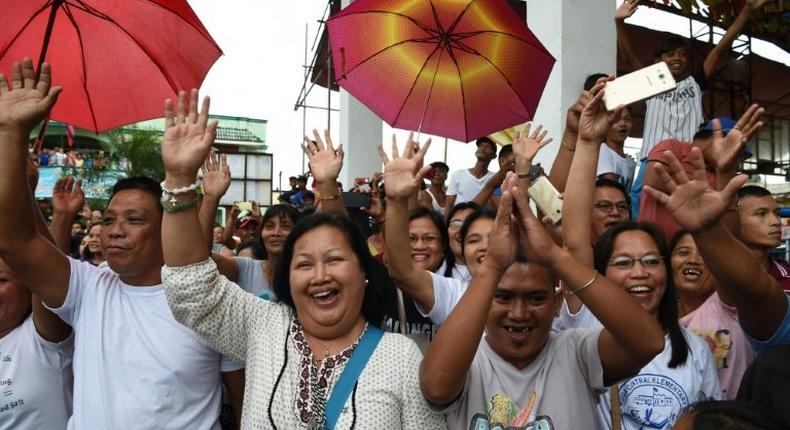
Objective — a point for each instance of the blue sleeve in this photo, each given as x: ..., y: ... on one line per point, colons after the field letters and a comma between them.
x: 780, y: 337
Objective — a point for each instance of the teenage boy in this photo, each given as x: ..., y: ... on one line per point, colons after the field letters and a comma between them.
x: 674, y: 114
x: 761, y: 230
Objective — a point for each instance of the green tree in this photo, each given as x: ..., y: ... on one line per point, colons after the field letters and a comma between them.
x: 127, y: 153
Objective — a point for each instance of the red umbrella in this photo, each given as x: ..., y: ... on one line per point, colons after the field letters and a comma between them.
x: 116, y: 60
x: 459, y: 69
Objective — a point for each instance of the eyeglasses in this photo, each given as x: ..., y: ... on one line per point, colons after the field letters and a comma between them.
x: 607, y: 207
x: 625, y: 262
x: 428, y: 239
x: 455, y: 224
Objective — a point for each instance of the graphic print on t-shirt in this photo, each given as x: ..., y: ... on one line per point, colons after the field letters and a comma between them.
x: 652, y: 402
x: 7, y: 399
x: 503, y: 414
x: 719, y: 343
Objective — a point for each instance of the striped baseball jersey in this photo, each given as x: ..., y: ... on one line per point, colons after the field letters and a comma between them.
x: 675, y: 114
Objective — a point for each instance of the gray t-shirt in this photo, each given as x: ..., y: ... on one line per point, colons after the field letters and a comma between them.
x: 558, y: 390
x: 252, y: 280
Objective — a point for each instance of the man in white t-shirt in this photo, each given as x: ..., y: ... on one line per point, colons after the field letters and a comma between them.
x: 465, y: 184
x: 35, y: 360
x: 134, y: 365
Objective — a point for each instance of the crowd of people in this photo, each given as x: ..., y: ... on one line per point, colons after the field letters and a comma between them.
x: 444, y: 301
x: 57, y: 157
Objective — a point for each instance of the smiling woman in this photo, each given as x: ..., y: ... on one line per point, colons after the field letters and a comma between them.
x: 314, y: 360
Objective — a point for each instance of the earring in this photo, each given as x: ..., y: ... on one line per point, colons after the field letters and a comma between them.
x: 366, y: 283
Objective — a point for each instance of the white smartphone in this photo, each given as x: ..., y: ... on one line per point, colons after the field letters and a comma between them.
x: 639, y: 85
x: 547, y: 198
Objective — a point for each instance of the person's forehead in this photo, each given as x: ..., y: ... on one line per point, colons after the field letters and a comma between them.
x: 753, y: 202
x: 636, y: 242
x: 526, y: 279
x: 678, y: 50
x: 482, y: 224
x: 132, y: 201
x: 609, y: 193
x: 422, y: 224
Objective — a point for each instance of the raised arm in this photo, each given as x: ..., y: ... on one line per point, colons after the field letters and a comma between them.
x: 577, y: 207
x: 325, y: 162
x: 631, y: 336
x: 199, y: 297
x: 558, y: 174
x: 623, y: 42
x: 48, y: 325
x: 699, y: 209
x: 216, y: 180
x: 24, y: 104
x: 402, y: 179
x: 67, y: 200
x: 709, y: 65
x: 450, y: 354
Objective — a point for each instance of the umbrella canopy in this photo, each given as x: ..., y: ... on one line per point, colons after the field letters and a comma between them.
x: 116, y: 60
x: 459, y: 69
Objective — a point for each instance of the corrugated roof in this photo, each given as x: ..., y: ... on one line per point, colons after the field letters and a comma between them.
x: 237, y: 135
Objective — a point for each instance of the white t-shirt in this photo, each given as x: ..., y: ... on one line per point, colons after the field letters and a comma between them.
x: 35, y: 380
x: 461, y: 273
x: 135, y: 366
x: 252, y: 280
x: 556, y: 391
x: 659, y: 395
x: 447, y: 293
x: 609, y: 161
x: 465, y: 186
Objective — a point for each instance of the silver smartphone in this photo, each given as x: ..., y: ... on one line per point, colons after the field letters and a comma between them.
x: 547, y: 198
x: 639, y: 85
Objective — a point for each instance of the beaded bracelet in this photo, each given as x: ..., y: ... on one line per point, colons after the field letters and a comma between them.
x: 570, y: 292
x: 171, y: 205
x: 182, y: 190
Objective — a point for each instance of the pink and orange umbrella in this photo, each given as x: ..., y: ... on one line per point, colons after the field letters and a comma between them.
x: 458, y: 69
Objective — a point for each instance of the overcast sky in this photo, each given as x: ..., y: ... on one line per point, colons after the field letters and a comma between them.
x: 261, y: 73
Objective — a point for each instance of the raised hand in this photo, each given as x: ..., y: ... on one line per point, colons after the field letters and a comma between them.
x: 216, y: 175
x: 502, y: 243
x: 188, y: 137
x: 595, y: 120
x: 626, y: 10
x: 324, y: 160
x: 403, y: 174
x: 691, y: 201
x: 534, y: 241
x: 575, y: 113
x: 67, y: 196
x: 26, y: 102
x: 526, y: 145
x: 726, y: 150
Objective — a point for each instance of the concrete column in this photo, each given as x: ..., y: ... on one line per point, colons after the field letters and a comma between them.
x: 580, y: 34
x: 360, y: 132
